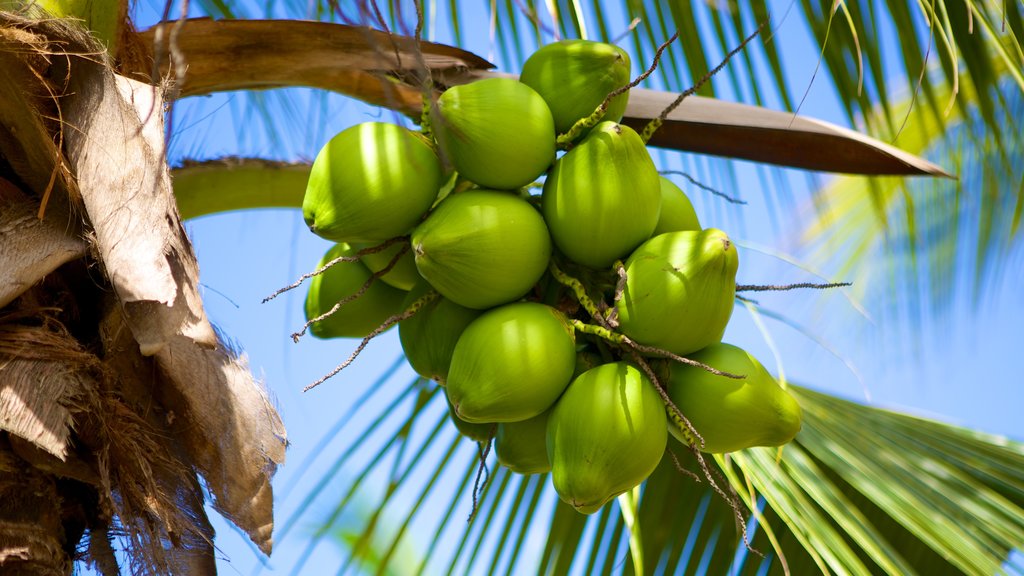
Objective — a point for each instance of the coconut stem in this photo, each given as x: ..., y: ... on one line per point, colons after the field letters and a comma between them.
x: 357, y: 294
x: 352, y: 258
x: 625, y: 342
x: 409, y: 312
x: 564, y: 140
x: 578, y: 290
x: 695, y: 442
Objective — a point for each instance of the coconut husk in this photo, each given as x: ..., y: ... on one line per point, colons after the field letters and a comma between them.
x: 41, y: 369
x: 31, y: 248
x: 159, y: 397
x: 115, y: 145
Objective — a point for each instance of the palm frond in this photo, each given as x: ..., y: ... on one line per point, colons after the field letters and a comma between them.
x: 928, y: 234
x: 861, y: 491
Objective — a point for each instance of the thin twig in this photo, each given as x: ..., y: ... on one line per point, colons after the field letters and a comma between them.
x: 784, y: 287
x: 704, y: 187
x: 589, y: 122
x: 483, y: 450
x: 653, y: 125
x: 351, y: 258
x: 357, y: 294
x: 682, y: 469
x: 391, y: 321
x: 651, y: 350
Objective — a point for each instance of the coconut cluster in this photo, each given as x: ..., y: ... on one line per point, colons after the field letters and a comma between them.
x: 546, y: 316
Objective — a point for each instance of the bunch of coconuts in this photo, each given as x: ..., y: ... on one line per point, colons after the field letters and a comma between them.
x: 551, y: 320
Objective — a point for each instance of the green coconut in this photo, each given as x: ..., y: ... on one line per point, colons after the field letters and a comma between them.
x: 371, y: 182
x: 575, y: 76
x: 605, y: 435
x: 522, y: 447
x: 511, y: 363
x: 496, y: 132
x: 482, y: 248
x: 359, y: 317
x: 679, y: 290
x: 475, y: 432
x: 602, y: 198
x: 731, y: 414
x: 677, y: 213
x: 428, y: 337
x: 403, y: 275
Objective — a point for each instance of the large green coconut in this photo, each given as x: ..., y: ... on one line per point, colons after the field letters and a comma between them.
x: 371, y: 182
x: 602, y: 199
x: 482, y: 248
x: 677, y: 213
x: 605, y: 435
x: 511, y: 363
x: 522, y: 446
x: 731, y: 414
x: 429, y: 337
x: 359, y: 317
x: 496, y: 132
x: 575, y: 76
x: 679, y: 290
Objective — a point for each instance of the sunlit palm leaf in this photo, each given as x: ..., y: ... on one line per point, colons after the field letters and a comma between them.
x: 928, y: 233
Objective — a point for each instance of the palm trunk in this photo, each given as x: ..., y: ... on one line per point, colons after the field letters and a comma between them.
x: 32, y: 536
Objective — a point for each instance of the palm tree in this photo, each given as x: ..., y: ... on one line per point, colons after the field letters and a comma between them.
x: 138, y: 408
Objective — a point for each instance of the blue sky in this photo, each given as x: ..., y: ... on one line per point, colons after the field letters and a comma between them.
x: 955, y: 369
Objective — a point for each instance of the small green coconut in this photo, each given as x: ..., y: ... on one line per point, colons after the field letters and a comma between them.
x: 511, y: 363
x: 359, y: 317
x: 482, y: 248
x: 403, y: 275
x: 522, y: 446
x: 575, y: 76
x: 496, y: 132
x: 429, y: 337
x: 605, y: 435
x: 603, y: 197
x: 679, y: 292
x: 371, y: 182
x: 677, y: 213
x: 731, y: 414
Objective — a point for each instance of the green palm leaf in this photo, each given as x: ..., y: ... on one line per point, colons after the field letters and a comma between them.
x: 861, y: 491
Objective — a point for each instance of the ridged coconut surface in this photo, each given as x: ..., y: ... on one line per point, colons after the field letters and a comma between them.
x: 522, y: 446
x: 677, y: 213
x: 606, y: 435
x: 575, y: 76
x: 732, y: 414
x: 602, y: 198
x: 371, y: 182
x: 429, y: 337
x: 360, y: 316
x: 482, y: 248
x: 496, y: 132
x: 511, y: 363
x: 679, y: 290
